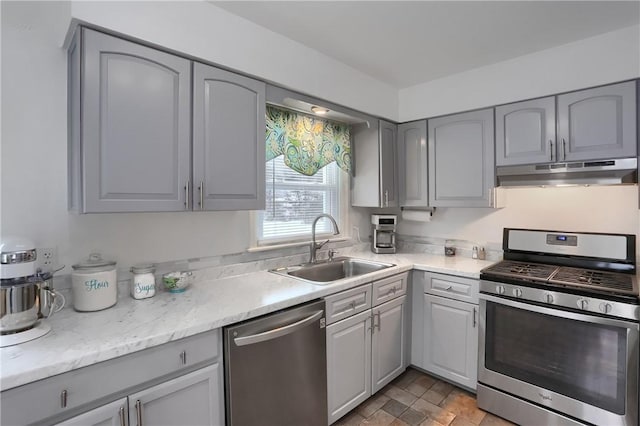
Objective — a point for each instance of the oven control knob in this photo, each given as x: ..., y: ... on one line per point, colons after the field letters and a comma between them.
x: 548, y: 298
x: 517, y: 292
x: 583, y: 304
x: 605, y: 307
x: 500, y: 289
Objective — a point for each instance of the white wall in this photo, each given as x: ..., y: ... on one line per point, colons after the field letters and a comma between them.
x: 211, y: 33
x: 603, y: 59
x: 612, y: 209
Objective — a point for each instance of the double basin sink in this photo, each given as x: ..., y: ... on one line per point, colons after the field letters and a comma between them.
x: 329, y: 271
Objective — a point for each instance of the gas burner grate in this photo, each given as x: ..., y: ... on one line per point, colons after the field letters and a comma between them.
x: 510, y: 268
x: 611, y: 281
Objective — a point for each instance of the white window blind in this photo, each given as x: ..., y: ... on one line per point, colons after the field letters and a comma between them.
x: 294, y: 200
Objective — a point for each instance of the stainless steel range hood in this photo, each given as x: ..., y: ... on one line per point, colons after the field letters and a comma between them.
x: 605, y: 172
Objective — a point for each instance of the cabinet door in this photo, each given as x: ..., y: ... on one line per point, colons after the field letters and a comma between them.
x: 388, y: 161
x: 461, y: 160
x: 388, y: 343
x: 193, y: 399
x: 136, y: 113
x: 451, y: 340
x: 526, y: 132
x: 112, y: 414
x: 228, y: 140
x: 412, y: 164
x: 598, y: 123
x: 348, y: 364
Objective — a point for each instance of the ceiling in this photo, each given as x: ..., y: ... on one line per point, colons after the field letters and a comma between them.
x: 403, y: 43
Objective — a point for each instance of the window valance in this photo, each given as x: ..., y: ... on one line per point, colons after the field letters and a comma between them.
x: 307, y: 143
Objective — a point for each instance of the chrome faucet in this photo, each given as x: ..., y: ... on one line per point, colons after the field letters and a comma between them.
x: 315, y: 246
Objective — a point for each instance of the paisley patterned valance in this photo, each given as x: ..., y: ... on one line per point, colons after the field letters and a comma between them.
x: 307, y: 143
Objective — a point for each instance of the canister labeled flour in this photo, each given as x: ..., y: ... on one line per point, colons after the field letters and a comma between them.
x: 94, y: 284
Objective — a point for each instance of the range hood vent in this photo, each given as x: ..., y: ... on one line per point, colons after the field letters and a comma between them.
x: 606, y: 172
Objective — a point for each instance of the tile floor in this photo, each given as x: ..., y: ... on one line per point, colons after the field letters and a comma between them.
x: 417, y: 399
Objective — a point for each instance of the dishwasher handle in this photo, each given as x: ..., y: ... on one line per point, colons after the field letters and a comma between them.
x: 278, y: 332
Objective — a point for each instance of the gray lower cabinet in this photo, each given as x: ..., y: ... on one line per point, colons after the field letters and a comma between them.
x: 192, y: 399
x: 133, y: 111
x: 598, y: 123
x: 445, y: 327
x: 348, y: 364
x: 412, y: 164
x: 461, y: 160
x: 451, y: 340
x: 368, y: 348
x: 375, y: 182
x: 526, y: 132
x: 176, y: 383
x: 228, y: 140
x: 111, y: 414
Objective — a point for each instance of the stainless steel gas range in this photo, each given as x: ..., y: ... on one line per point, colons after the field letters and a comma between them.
x: 559, y: 327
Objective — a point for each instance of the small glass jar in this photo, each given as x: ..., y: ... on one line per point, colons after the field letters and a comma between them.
x: 143, y: 284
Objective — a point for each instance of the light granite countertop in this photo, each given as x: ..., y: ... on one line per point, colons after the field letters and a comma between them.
x: 80, y: 339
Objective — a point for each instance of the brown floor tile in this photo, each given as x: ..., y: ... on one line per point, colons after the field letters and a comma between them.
x: 400, y: 395
x: 416, y: 389
x: 431, y: 422
x: 398, y: 422
x: 379, y: 418
x: 407, y: 378
x: 394, y: 407
x: 426, y: 381
x: 491, y: 420
x: 443, y: 388
x: 464, y: 405
x: 433, y: 397
x: 412, y: 417
x: 461, y: 421
x: 433, y: 411
x: 372, y: 405
x: 351, y: 419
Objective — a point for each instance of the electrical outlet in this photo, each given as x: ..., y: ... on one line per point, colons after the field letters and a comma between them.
x: 46, y: 258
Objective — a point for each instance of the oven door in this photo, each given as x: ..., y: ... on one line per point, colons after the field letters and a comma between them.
x: 584, y: 366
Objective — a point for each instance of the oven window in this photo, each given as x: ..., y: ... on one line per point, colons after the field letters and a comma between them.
x: 582, y: 360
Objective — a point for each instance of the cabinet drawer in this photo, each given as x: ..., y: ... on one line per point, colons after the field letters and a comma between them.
x: 347, y: 303
x: 453, y: 287
x: 80, y: 388
x: 389, y: 288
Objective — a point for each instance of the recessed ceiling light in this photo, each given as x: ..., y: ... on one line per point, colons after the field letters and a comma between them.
x: 319, y: 110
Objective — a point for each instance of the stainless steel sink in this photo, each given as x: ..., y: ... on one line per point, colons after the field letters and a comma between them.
x: 329, y: 271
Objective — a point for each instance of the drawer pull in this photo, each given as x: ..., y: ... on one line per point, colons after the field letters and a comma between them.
x: 352, y: 305
x: 449, y: 288
x: 139, y: 412
x: 183, y: 357
x: 122, y: 418
x: 391, y: 291
x: 63, y: 399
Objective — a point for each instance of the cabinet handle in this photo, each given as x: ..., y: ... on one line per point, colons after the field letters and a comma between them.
x: 448, y: 288
x: 352, y: 305
x: 386, y: 198
x: 474, y: 317
x: 391, y: 291
x: 186, y: 196
x: 551, y: 148
x: 63, y: 399
x: 564, y: 149
x: 374, y: 322
x: 183, y: 357
x: 139, y: 412
x: 201, y: 189
x: 122, y: 418
x: 371, y: 324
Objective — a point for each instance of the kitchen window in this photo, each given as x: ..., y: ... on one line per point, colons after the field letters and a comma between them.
x: 294, y: 200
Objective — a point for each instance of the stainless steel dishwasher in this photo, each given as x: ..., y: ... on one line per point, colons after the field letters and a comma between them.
x: 276, y: 369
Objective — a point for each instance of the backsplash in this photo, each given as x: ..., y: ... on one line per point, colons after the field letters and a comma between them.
x: 432, y: 245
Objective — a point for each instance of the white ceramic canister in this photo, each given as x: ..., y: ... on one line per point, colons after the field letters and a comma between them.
x: 143, y: 284
x: 94, y: 284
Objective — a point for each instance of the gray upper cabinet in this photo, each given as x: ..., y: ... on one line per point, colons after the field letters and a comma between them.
x: 133, y: 126
x: 133, y: 111
x: 526, y: 132
x: 461, y: 160
x: 412, y: 164
x: 375, y: 156
x: 228, y: 140
x: 598, y: 123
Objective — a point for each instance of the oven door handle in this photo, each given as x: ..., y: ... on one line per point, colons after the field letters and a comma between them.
x: 557, y: 312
